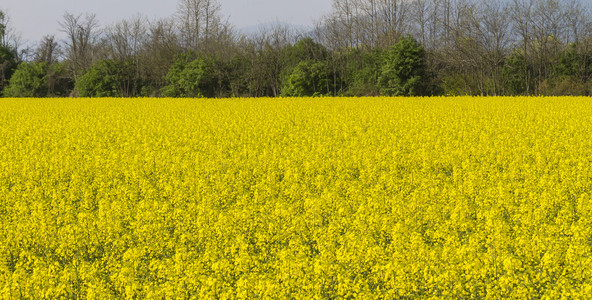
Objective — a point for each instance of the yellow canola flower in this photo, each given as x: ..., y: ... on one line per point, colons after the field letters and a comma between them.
x: 328, y: 198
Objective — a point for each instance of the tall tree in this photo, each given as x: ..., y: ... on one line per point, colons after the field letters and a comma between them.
x: 158, y: 53
x: 269, y: 59
x: 8, y: 53
x: 82, y: 33
x: 48, y: 50
x: 201, y: 24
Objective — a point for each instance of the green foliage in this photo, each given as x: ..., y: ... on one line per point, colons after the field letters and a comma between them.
x: 29, y: 80
x: 515, y: 73
x: 404, y: 70
x: 236, y: 73
x: 2, y: 26
x: 39, y: 80
x: 100, y: 81
x: 566, y: 86
x: 307, y: 49
x: 109, y: 78
x: 307, y: 73
x: 571, y: 74
x: 363, y: 75
x: 454, y: 85
x: 309, y: 78
x: 193, y: 78
x: 575, y: 63
x: 8, y: 56
x: 8, y: 65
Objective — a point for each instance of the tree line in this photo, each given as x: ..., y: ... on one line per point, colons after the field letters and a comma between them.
x: 360, y: 48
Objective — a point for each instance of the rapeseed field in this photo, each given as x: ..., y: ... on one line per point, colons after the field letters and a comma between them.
x: 324, y: 198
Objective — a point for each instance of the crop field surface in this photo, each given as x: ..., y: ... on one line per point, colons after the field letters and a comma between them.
x: 311, y: 198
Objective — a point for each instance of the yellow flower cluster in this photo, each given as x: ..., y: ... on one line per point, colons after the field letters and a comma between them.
x: 327, y: 198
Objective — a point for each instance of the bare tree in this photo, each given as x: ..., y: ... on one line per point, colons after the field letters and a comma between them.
x: 126, y: 38
x: 494, y: 39
x: 160, y: 48
x: 11, y: 39
x: 343, y: 20
x: 82, y: 34
x: 48, y: 50
x: 124, y: 41
x: 268, y: 60
x: 200, y: 23
x: 421, y: 19
x: 371, y: 10
x: 3, y: 28
x: 548, y: 34
x: 521, y: 13
x: 393, y: 20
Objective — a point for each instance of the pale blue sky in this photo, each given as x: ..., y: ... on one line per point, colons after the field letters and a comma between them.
x: 36, y: 18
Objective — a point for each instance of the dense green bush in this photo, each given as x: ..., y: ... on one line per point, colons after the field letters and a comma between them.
x: 404, y: 70
x: 191, y: 78
x: 39, y: 80
x: 29, y: 80
x: 309, y: 78
x: 362, y: 74
x: 110, y: 78
x: 8, y: 65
